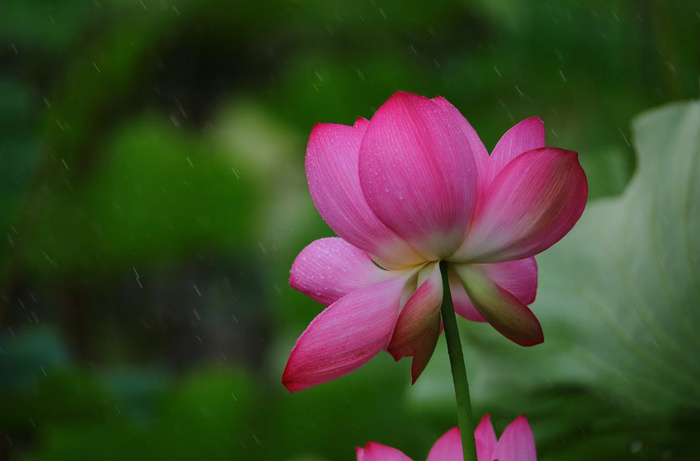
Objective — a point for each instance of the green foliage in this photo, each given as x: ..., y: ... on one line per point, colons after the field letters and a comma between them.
x: 200, y: 417
x: 29, y: 356
x: 155, y: 191
x: 18, y: 149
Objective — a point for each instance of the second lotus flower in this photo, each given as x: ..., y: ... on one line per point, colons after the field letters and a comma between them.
x: 405, y: 190
x: 516, y: 444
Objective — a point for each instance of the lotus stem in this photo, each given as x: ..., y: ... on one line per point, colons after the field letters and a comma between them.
x: 459, y: 371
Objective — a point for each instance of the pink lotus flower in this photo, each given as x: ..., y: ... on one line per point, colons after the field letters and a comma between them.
x: 410, y: 188
x: 517, y: 444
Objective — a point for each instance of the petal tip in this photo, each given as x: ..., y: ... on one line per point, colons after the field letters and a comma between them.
x: 361, y: 123
x: 315, y: 129
x: 395, y: 354
x: 288, y: 379
x: 415, y: 372
x: 291, y: 386
x: 404, y: 97
x: 534, y: 340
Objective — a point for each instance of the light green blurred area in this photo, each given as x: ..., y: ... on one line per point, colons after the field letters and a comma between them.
x: 153, y: 198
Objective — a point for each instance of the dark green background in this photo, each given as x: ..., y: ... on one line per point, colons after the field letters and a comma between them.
x: 153, y: 198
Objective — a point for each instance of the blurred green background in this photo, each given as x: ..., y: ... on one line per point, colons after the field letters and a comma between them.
x: 153, y: 198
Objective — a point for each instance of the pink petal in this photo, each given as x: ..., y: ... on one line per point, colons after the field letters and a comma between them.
x: 462, y: 304
x: 418, y: 325
x: 506, y: 313
x: 532, y: 203
x: 330, y: 268
x: 332, y: 171
x: 345, y: 336
x: 524, y: 136
x: 485, y: 439
x: 481, y: 155
x: 361, y: 123
x: 517, y: 442
x: 418, y: 173
x: 448, y: 447
x: 424, y: 348
x: 377, y: 452
x: 517, y: 277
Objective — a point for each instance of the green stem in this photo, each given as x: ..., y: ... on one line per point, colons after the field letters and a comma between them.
x: 459, y: 371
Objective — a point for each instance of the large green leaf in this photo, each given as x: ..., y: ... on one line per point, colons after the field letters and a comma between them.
x: 619, y: 296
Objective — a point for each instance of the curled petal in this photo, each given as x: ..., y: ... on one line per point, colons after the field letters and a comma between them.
x: 532, y: 203
x: 519, y: 278
x: 345, y: 336
x: 485, y: 439
x: 517, y: 442
x: 506, y: 313
x: 418, y: 326
x: 377, y: 452
x: 330, y: 268
x: 418, y: 173
x: 524, y: 136
x: 425, y: 346
x: 448, y: 447
x: 462, y: 304
x: 332, y: 171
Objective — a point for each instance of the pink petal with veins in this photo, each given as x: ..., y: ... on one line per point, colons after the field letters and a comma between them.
x: 418, y: 325
x: 517, y: 442
x: 485, y: 439
x: 524, y: 136
x: 418, y: 173
x: 448, y: 447
x: 330, y: 268
x: 332, y: 171
x: 345, y: 336
x: 532, y: 203
x: 481, y: 155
